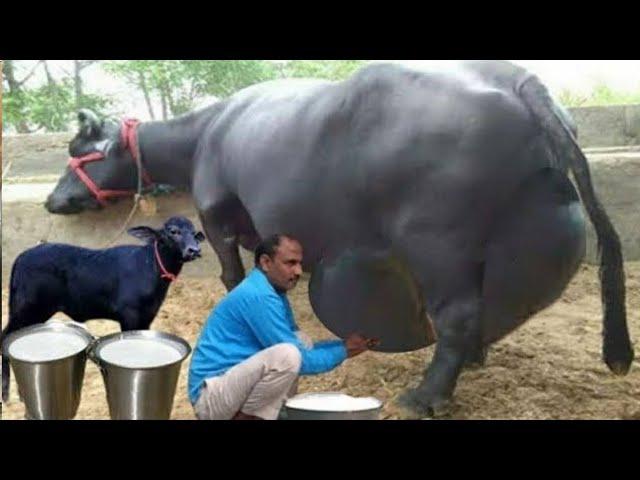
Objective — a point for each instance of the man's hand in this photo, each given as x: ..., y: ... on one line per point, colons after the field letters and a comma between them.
x: 357, y: 344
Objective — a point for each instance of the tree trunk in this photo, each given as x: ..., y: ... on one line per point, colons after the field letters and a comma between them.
x: 77, y: 82
x: 9, y: 72
x: 168, y: 105
x: 145, y: 91
x: 172, y: 106
x: 15, y: 87
x: 50, y: 79
x: 163, y: 102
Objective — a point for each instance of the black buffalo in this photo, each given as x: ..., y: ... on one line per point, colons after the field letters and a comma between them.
x: 127, y: 283
x: 456, y: 178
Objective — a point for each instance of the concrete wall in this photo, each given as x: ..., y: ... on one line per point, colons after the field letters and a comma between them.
x: 25, y: 223
x: 607, y: 126
x: 616, y: 179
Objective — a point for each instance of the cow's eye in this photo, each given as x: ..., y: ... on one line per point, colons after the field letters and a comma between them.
x: 174, y: 231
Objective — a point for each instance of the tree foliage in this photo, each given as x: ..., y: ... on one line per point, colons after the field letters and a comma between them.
x: 170, y: 87
x: 178, y: 84
x: 50, y: 107
x: 327, y: 69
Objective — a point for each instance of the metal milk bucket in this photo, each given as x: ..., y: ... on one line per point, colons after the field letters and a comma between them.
x: 295, y: 409
x: 140, y: 393
x: 50, y: 389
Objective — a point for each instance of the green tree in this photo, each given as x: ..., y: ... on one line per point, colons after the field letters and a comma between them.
x: 327, y: 69
x: 50, y: 107
x: 178, y: 84
x: 14, y: 103
x: 53, y: 106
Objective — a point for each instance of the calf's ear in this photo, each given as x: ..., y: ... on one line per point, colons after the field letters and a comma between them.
x: 146, y: 234
x: 200, y: 237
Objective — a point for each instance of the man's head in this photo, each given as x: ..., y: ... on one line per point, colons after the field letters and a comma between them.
x: 280, y: 259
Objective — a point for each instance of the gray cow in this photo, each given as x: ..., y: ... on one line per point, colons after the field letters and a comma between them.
x: 454, y: 182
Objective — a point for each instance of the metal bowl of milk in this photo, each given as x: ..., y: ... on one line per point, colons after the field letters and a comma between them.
x: 332, y: 406
x: 140, y: 369
x: 48, y: 361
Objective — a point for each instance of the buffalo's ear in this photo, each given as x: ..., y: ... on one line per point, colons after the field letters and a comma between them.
x: 200, y: 237
x: 89, y: 123
x: 146, y: 234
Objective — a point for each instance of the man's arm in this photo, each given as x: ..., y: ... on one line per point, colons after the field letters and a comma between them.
x: 267, y: 319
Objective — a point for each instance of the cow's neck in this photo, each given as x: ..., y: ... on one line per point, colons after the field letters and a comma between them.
x: 168, y: 147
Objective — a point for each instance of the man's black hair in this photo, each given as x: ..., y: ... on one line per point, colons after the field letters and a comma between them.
x: 269, y: 245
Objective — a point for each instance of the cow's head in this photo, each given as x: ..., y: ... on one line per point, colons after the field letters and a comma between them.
x: 116, y: 171
x: 178, y: 234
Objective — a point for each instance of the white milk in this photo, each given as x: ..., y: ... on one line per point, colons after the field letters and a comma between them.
x: 46, y: 346
x: 139, y: 353
x: 332, y: 402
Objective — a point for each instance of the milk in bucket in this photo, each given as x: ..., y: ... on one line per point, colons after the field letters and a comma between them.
x: 47, y: 346
x: 139, y: 353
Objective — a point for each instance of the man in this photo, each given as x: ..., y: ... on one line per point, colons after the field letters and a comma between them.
x: 250, y: 351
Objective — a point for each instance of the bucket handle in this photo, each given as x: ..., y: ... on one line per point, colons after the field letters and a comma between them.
x: 91, y: 354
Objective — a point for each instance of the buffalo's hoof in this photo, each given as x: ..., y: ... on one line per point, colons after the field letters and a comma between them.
x: 473, y: 365
x: 476, y: 358
x: 619, y: 364
x: 422, y: 404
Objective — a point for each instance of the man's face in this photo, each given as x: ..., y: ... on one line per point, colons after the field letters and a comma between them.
x: 285, y: 268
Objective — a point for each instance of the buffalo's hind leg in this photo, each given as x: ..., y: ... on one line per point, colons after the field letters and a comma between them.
x: 454, y: 294
x: 533, y: 252
x: 457, y: 324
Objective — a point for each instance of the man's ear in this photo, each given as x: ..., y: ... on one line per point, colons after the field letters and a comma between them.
x: 146, y: 234
x: 265, y: 262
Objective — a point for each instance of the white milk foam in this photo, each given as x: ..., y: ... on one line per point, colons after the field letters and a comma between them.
x: 46, y: 346
x: 139, y: 353
x: 332, y: 402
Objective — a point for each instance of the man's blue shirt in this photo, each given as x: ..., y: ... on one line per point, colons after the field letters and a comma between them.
x: 251, y: 318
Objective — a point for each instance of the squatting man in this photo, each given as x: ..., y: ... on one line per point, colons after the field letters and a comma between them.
x: 250, y: 351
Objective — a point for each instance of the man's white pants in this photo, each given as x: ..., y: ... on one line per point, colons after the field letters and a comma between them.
x: 259, y: 386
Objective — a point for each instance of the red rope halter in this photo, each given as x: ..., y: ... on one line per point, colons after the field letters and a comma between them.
x: 165, y: 273
x: 128, y: 136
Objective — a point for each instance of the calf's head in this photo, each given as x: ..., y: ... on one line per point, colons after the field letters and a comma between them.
x: 177, y: 234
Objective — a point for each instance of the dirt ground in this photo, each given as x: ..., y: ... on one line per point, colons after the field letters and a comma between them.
x: 550, y: 368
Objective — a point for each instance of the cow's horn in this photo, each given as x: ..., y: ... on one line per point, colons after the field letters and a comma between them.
x: 88, y: 121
